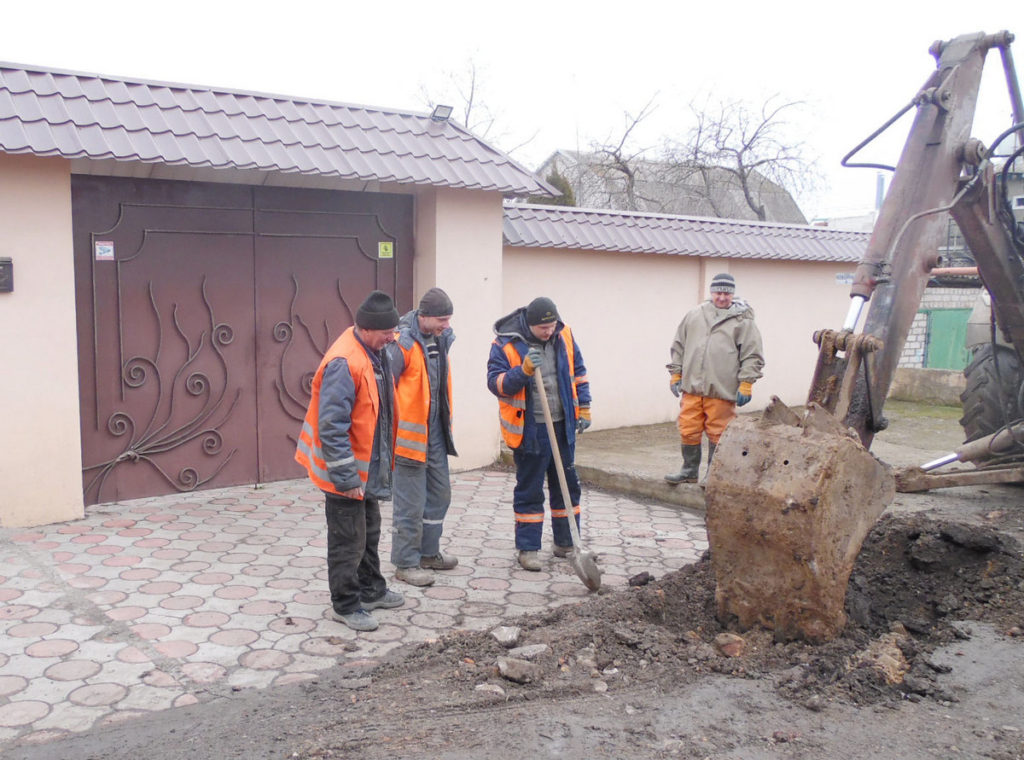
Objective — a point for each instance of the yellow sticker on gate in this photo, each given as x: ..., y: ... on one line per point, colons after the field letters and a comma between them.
x: 385, y: 250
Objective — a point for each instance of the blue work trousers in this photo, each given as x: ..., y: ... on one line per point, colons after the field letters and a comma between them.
x: 353, y: 565
x: 532, y: 469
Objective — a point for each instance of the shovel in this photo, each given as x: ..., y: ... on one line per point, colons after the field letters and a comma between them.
x: 583, y: 562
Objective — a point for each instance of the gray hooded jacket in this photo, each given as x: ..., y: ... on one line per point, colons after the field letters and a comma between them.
x: 714, y: 350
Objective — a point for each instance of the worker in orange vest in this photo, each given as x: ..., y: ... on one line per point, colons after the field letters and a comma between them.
x: 346, y: 445
x: 423, y: 491
x: 529, y: 338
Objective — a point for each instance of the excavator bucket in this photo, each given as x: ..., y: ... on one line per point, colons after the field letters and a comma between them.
x: 790, y: 499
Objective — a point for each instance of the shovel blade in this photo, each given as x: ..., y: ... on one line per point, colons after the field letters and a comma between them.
x: 584, y: 564
x: 790, y: 500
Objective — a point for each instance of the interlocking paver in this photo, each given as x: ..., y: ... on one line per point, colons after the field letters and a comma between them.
x: 162, y: 602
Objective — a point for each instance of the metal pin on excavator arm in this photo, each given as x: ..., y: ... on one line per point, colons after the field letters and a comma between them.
x: 791, y: 498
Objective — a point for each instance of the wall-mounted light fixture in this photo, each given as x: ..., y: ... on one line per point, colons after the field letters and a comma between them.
x: 6, y: 275
x: 441, y: 113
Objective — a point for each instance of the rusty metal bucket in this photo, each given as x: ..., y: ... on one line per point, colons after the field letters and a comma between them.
x: 790, y: 500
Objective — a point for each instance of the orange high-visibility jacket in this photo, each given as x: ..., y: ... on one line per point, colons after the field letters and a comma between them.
x: 412, y: 397
x: 365, y: 409
x: 512, y: 409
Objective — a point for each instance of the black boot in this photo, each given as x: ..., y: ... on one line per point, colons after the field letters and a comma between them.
x: 691, y: 463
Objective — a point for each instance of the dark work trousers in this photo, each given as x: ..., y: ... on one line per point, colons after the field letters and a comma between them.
x: 528, y: 497
x: 353, y: 565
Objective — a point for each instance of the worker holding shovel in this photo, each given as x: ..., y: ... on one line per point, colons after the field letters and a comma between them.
x: 529, y: 339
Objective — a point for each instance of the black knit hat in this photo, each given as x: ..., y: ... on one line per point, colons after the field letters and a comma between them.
x: 377, y: 312
x: 435, y: 303
x: 723, y: 283
x: 541, y: 311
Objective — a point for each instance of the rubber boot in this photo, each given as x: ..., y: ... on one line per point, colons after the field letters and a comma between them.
x: 711, y: 455
x: 691, y: 463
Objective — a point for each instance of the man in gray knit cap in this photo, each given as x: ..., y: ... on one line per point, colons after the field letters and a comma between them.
x: 422, y: 493
x: 715, y: 358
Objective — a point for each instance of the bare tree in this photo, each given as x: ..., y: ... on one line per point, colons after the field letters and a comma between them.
x: 735, y: 162
x: 462, y: 91
x: 733, y: 144
x: 619, y: 166
x: 466, y: 91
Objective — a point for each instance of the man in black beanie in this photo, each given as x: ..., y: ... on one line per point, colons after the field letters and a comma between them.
x: 346, y: 445
x: 423, y: 491
x: 529, y: 338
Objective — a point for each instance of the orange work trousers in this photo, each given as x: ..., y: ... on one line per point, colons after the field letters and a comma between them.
x: 700, y: 414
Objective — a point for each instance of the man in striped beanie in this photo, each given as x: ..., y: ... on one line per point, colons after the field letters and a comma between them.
x: 715, y: 358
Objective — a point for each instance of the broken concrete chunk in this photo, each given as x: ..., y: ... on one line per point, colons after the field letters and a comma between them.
x: 529, y: 652
x: 730, y: 645
x: 506, y: 635
x: 518, y: 671
x: 491, y: 688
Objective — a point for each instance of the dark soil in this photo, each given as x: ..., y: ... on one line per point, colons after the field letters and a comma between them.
x: 638, y: 673
x: 913, y: 581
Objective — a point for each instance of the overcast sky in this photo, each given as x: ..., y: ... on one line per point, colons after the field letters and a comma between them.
x: 556, y: 74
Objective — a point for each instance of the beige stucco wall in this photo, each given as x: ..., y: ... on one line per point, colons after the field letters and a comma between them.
x: 458, y: 248
x: 624, y: 309
x: 41, y: 466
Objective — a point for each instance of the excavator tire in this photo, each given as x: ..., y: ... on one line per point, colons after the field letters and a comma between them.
x: 992, y: 397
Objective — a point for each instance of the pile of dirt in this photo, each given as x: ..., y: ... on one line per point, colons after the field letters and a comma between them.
x: 914, y: 580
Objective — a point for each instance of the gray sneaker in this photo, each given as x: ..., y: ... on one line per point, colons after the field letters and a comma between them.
x: 389, y: 600
x: 529, y: 561
x: 414, y: 576
x: 562, y: 551
x: 360, y: 620
x: 439, y: 561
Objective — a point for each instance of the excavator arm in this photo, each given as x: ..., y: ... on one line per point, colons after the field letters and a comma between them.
x: 790, y: 497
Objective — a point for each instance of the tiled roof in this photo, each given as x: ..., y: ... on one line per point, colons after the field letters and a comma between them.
x: 530, y: 226
x: 60, y: 113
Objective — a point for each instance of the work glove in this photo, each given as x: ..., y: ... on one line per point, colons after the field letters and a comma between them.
x: 532, y: 360
x: 583, y: 421
x: 675, y: 384
x: 744, y: 394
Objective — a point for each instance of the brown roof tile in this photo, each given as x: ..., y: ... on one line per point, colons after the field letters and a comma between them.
x: 76, y: 115
x: 532, y: 226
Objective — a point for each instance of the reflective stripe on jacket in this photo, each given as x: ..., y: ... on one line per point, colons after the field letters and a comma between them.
x: 365, y: 408
x: 512, y: 406
x: 413, y: 399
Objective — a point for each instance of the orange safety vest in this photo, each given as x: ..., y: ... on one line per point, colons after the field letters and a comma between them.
x: 512, y: 409
x: 413, y: 399
x: 309, y: 453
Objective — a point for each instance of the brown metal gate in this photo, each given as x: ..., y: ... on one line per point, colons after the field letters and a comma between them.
x: 203, y: 311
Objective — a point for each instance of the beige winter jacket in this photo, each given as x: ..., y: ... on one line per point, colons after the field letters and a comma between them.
x: 716, y: 349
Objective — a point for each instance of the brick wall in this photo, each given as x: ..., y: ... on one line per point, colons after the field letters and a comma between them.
x: 934, y: 298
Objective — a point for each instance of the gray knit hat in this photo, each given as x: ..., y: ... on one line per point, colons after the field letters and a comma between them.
x: 435, y: 303
x: 377, y: 312
x: 723, y: 283
x: 541, y: 311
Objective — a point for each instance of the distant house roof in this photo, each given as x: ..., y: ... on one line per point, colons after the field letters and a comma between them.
x: 61, y: 113
x: 534, y: 226
x: 664, y: 187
